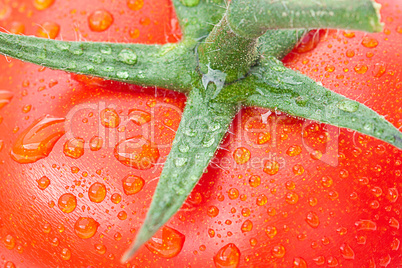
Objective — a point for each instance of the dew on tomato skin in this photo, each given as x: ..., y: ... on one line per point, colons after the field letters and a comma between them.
x: 48, y: 30
x: 327, y: 181
x: 43, y: 183
x: 132, y: 184
x: 332, y: 261
x: 271, y: 231
x: 227, y: 257
x: 9, y: 264
x: 139, y: 117
x: 271, y: 167
x: 394, y: 223
x: 137, y: 152
x: 374, y: 204
x: 122, y: 215
x: 5, y: 97
x: 74, y: 148
x: 47, y: 228
x: 169, y: 245
x: 127, y: 56
x: 366, y: 225
x: 312, y: 219
x: 37, y: 141
x: 55, y: 242
x: 135, y: 5
x: 97, y: 192
x: 43, y: 4
x: 342, y: 231
x: 212, y: 211
x: 263, y: 138
x: 271, y: 211
x: 233, y: 193
x: 290, y: 185
x: 360, y: 69
x: 278, y: 251
x: 195, y: 198
x: 319, y: 260
x: 261, y: 200
x: 347, y: 252
x: 100, y: 249
x: 392, y: 195
x: 369, y: 42
x: 109, y: 118
x: 294, y: 150
x: 291, y: 198
x: 377, y: 191
x: 247, y: 226
x: 254, y: 181
x: 349, y: 34
x: 241, y: 155
x: 95, y: 143
x: 385, y: 260
x: 299, y: 263
x: 67, y: 203
x: 333, y: 195
x: 316, y: 155
x: 395, y: 244
x: 379, y: 70
x: 85, y: 227
x: 65, y: 254
x: 298, y: 169
x: 100, y: 20
x: 9, y: 241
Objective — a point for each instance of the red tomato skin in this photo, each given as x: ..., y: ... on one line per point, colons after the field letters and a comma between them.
x: 343, y: 209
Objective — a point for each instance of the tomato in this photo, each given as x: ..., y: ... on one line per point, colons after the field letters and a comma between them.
x: 281, y: 192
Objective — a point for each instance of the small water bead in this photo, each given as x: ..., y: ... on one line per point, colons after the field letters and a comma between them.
x: 55, y: 242
x: 95, y: 143
x: 179, y: 162
x: 139, y: 117
x: 332, y: 261
x: 348, y: 106
x: 312, y: 219
x: 385, y: 260
x: 271, y: 167
x: 245, y: 212
x: 261, y: 200
x: 394, y: 223
x: 76, y: 49
x: 212, y: 211
x: 271, y: 231
x: 233, y: 193
x: 97, y: 192
x: 48, y: 30
x: 254, y: 181
x: 377, y: 191
x: 169, y: 246
x: 135, y: 4
x: 43, y: 4
x: 366, y: 225
x: 43, y: 183
x: 278, y: 251
x: 5, y: 97
x: 298, y: 169
x: 115, y: 198
x: 100, y: 249
x: 132, y: 184
x: 65, y: 254
x: 74, y: 148
x: 241, y: 155
x: 227, y: 257
x: 320, y: 260
x: 85, y: 227
x: 369, y: 42
x: 67, y: 203
x: 127, y: 56
x: 184, y: 148
x: 137, y: 152
x: 9, y: 241
x: 327, y: 181
x: 291, y: 198
x: 122, y: 215
x: 395, y: 244
x: 361, y: 69
x: 9, y: 264
x: 37, y: 141
x: 347, y: 252
x: 299, y: 263
x: 100, y: 20
x: 294, y: 150
x: 247, y: 226
x: 208, y: 141
x: 211, y: 233
x: 392, y: 195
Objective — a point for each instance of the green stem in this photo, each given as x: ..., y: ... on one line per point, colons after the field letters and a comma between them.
x: 252, y: 18
x: 198, y: 17
x: 202, y: 127
x: 227, y: 52
x: 168, y: 66
x: 277, y: 87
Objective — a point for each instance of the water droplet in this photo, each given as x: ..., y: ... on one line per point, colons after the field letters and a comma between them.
x: 48, y: 30
x: 184, y: 148
x: 85, y: 227
x: 139, y: 117
x: 241, y: 155
x: 368, y: 127
x: 366, y: 225
x: 109, y: 118
x: 212, y: 211
x: 395, y: 244
x: 299, y: 263
x: 96, y: 143
x: 294, y: 150
x: 326, y: 181
x: 169, y: 245
x: 332, y: 261
x: 65, y: 254
x: 137, y: 153
x: 9, y: 241
x: 122, y: 74
x: 74, y: 148
x: 377, y: 191
x: 254, y: 181
x: 122, y: 215
x: 312, y: 219
x: 342, y: 231
x: 348, y: 106
x: 179, y: 161
x: 369, y: 42
x: 291, y: 198
x: 227, y: 257
x: 98, y: 59
x: 55, y: 242
x: 132, y: 184
x: 9, y: 264
x: 67, y: 203
x: 5, y: 97
x: 100, y: 248
x: 190, y: 3
x: 271, y: 167
x: 108, y: 68
x: 271, y: 231
x: 97, y: 192
x: 135, y: 4
x: 385, y: 260
x: 100, y: 20
x: 347, y: 252
x: 394, y: 223
x: 261, y: 200
x: 247, y: 226
x: 37, y: 141
x: 208, y: 141
x: 42, y: 4
x: 116, y: 198
x: 233, y: 193
x: 297, y: 169
x: 127, y: 56
x: 278, y: 251
x: 43, y: 183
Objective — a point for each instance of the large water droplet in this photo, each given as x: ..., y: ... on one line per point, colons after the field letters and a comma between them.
x: 312, y: 219
x: 97, y: 192
x: 67, y: 203
x: 169, y: 245
x: 132, y: 184
x: 139, y: 117
x: 109, y: 118
x: 37, y: 141
x: 122, y: 74
x: 299, y: 263
x: 127, y: 56
x: 85, y: 227
x: 227, y: 257
x: 43, y: 183
x: 247, y: 226
x: 271, y: 167
x: 100, y: 20
x: 74, y: 148
x: 137, y: 153
x: 241, y: 155
x: 278, y: 251
x: 9, y: 241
